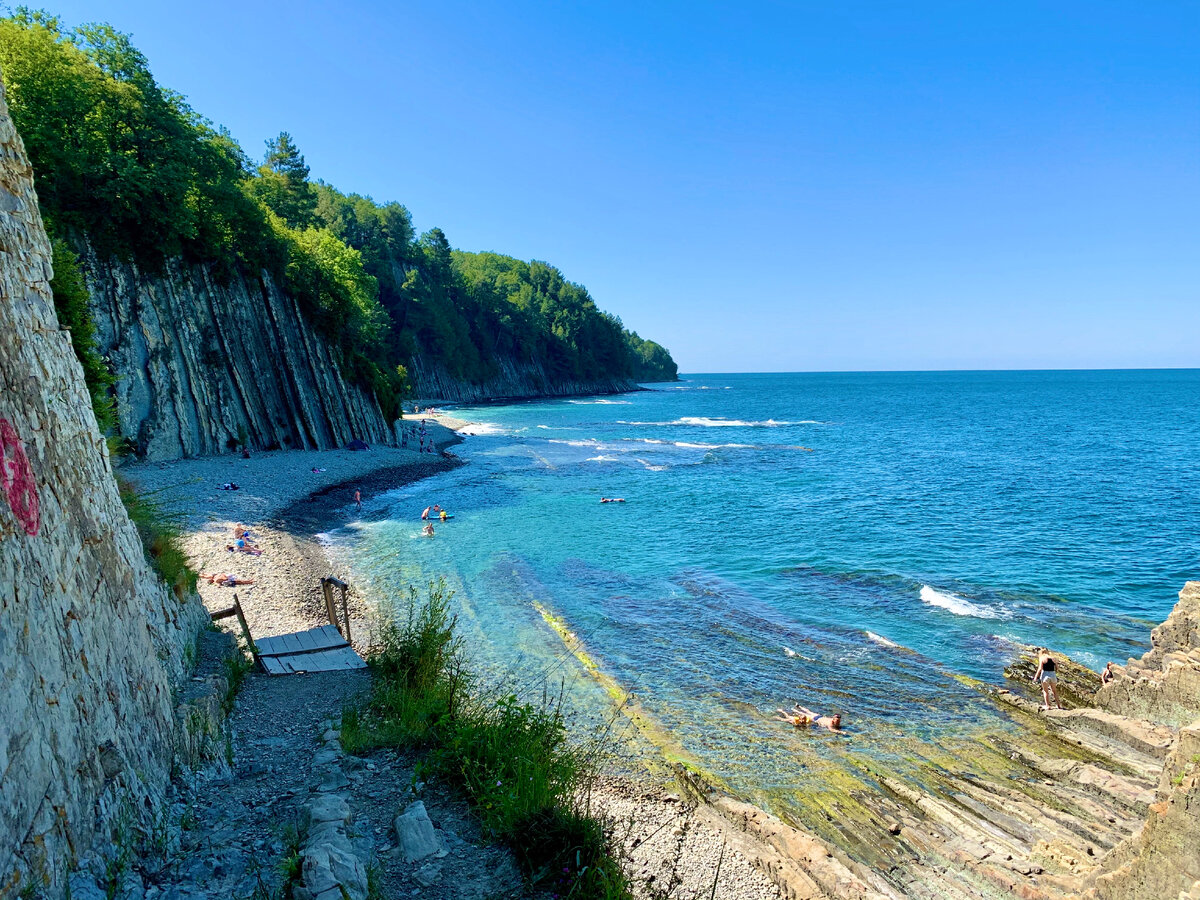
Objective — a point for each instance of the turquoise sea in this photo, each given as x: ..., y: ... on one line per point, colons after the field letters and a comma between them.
x: 849, y: 540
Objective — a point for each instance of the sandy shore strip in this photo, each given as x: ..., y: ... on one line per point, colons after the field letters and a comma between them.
x: 284, y: 503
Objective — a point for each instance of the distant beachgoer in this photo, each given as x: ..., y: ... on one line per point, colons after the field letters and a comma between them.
x: 798, y: 720
x: 228, y: 486
x: 244, y: 546
x: 240, y: 531
x: 358, y: 499
x: 245, y: 454
x: 612, y: 499
x: 1047, y: 676
x: 425, y: 512
x: 833, y: 723
x: 1108, y: 674
x: 428, y: 529
x: 226, y: 579
x: 443, y: 516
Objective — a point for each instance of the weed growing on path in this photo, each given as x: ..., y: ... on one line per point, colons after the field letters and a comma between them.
x: 512, y: 760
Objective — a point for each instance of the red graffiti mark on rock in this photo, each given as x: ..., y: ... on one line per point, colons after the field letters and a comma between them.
x: 16, y: 477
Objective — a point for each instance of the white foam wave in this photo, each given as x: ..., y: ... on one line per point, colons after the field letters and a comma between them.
x: 881, y: 640
x: 650, y: 467
x: 788, y: 651
x: 478, y: 428
x: 709, y: 422
x: 956, y: 605
x: 601, y: 401
x: 602, y: 459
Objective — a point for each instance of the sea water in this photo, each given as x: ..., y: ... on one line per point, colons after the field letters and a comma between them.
x: 852, y: 541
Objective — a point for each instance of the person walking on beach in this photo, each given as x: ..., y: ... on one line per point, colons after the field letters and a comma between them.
x: 1047, y: 676
x: 358, y: 500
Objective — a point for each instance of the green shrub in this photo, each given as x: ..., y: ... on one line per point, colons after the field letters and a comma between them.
x: 512, y: 760
x: 161, y: 532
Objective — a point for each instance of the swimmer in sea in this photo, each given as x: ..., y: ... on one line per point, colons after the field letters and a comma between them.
x: 443, y: 516
x: 833, y: 723
x: 612, y: 499
x: 794, y: 719
x: 425, y: 513
x: 428, y: 529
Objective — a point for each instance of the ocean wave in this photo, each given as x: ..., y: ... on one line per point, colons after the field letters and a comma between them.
x: 602, y: 459
x: 881, y: 640
x: 956, y: 605
x: 708, y: 422
x: 650, y: 467
x: 478, y: 428
x: 601, y: 401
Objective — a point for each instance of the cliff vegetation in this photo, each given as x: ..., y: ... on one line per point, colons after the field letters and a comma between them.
x: 127, y: 170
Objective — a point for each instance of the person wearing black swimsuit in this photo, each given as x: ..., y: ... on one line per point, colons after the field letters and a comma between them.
x: 1047, y: 676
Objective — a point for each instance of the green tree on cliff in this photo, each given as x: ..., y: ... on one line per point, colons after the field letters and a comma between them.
x: 282, y: 184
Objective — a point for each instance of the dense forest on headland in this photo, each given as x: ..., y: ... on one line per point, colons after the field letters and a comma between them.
x: 128, y: 167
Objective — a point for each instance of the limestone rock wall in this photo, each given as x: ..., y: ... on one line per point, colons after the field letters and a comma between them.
x: 91, y: 642
x: 1164, y: 685
x: 516, y: 380
x: 1163, y: 860
x: 203, y: 362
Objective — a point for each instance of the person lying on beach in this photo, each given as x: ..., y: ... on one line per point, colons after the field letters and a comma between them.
x: 796, y: 719
x: 612, y: 499
x: 226, y: 579
x: 241, y: 546
x: 833, y: 723
x: 428, y: 529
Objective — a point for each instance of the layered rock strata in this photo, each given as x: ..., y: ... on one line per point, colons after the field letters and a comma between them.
x: 1164, y: 685
x: 206, y: 362
x: 514, y: 380
x: 91, y: 642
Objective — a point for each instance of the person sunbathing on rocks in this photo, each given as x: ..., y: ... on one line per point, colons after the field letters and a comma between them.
x: 833, y: 723
x: 241, y: 545
x: 226, y: 579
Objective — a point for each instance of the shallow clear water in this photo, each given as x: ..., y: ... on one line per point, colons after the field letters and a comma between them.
x: 782, y: 532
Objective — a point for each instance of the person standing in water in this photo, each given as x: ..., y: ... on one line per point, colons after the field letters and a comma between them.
x: 1047, y: 676
x: 358, y: 500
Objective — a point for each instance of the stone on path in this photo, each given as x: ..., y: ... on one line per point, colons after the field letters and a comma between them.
x: 416, y: 834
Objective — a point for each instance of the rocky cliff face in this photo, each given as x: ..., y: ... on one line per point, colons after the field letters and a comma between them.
x: 204, y: 363
x: 91, y: 642
x: 1164, y: 685
x: 1163, y: 859
x: 515, y: 381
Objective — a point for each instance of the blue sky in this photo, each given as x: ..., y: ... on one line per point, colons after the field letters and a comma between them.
x: 759, y: 186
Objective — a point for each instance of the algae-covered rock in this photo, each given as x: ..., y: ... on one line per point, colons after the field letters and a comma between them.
x: 1077, y: 685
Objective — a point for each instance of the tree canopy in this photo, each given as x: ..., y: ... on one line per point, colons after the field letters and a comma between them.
x: 132, y: 168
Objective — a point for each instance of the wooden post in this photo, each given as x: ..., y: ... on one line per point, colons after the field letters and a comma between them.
x: 330, y: 609
x: 345, y: 613
x: 241, y: 617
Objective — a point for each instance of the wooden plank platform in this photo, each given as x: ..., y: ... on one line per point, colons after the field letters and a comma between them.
x: 316, y: 650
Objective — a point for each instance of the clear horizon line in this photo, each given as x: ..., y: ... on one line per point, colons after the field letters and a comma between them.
x: 936, y: 371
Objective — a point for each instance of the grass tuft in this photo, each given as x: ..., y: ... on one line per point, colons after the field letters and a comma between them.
x: 161, y: 531
x: 511, y: 759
